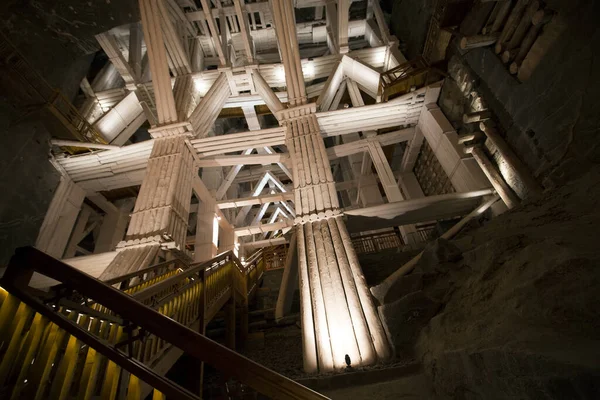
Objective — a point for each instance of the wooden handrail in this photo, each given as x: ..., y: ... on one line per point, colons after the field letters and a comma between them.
x: 28, y: 260
x: 141, y: 272
x: 126, y: 362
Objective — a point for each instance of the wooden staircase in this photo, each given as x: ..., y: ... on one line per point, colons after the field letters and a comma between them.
x: 89, y: 339
x: 407, y: 77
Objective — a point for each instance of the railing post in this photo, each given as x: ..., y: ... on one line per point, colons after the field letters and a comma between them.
x: 230, y: 321
x: 202, y: 327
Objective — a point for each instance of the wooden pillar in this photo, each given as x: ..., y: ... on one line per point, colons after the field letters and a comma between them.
x: 289, y: 281
x: 157, y: 58
x: 477, y: 116
x: 206, y: 112
x: 506, y: 193
x: 471, y: 42
x: 204, y: 245
x: 78, y: 231
x: 343, y: 14
x: 230, y: 321
x: 521, y: 171
x: 60, y: 218
x: 162, y: 208
x: 135, y: 49
x: 390, y: 186
x: 243, y: 310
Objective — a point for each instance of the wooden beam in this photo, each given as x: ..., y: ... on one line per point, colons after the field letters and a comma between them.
x: 214, y: 32
x: 252, y: 159
x: 240, y: 10
x: 254, y: 200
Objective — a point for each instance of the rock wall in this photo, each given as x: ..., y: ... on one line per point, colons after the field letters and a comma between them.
x: 511, y: 309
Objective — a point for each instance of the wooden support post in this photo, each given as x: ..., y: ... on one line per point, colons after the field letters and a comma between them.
x: 511, y: 159
x: 522, y: 27
x: 244, y: 313
x: 157, y: 57
x: 540, y: 47
x: 343, y: 15
x: 511, y: 24
x: 289, y: 281
x: 477, y: 116
x: 471, y: 42
x: 214, y: 32
x: 240, y: 10
x: 230, y: 321
x: 506, y: 193
x: 135, y: 49
x: 501, y: 16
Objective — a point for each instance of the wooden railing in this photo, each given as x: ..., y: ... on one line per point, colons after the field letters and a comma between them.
x: 403, y: 78
x: 376, y: 242
x: 275, y: 256
x: 106, y: 346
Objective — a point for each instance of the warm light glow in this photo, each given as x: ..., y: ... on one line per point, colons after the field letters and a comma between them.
x: 280, y: 73
x: 215, y: 238
x: 309, y: 69
x: 201, y: 86
x: 379, y: 57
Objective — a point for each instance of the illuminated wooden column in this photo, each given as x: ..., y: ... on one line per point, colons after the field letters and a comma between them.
x: 163, y: 204
x: 226, y: 237
x: 342, y: 25
x: 60, y: 218
x: 341, y: 320
x: 206, y: 112
x: 338, y: 315
x: 113, y: 227
x: 207, y: 231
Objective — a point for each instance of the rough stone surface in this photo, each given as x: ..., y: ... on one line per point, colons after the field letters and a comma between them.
x: 406, y: 387
x: 551, y: 120
x: 520, y: 311
x: 435, y: 255
x: 409, y: 22
x: 57, y: 39
x: 403, y: 286
x: 405, y: 318
x: 376, y: 267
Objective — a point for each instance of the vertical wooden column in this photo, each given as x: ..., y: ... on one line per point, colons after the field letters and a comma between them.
x: 285, y: 27
x: 135, y: 49
x: 163, y: 204
x: 289, y: 281
x: 506, y: 193
x: 78, y: 232
x: 206, y: 112
x: 343, y: 11
x: 230, y: 321
x: 60, y: 218
x: 226, y: 237
x: 157, y: 57
x: 390, y: 186
x: 204, y: 246
x: 338, y: 320
x: 112, y: 229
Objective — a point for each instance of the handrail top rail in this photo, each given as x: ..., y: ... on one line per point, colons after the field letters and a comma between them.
x: 150, y: 291
x: 143, y: 271
x: 192, y: 270
x: 28, y: 260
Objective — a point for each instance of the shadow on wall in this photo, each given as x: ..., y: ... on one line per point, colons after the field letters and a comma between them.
x: 509, y: 310
x: 409, y: 22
